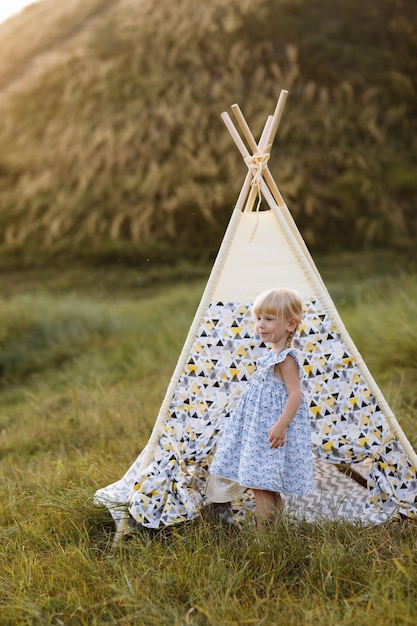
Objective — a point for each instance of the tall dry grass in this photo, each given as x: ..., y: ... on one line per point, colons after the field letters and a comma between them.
x: 111, y: 131
x: 67, y: 430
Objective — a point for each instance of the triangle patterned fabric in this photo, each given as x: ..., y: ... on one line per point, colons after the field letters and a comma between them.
x: 348, y: 426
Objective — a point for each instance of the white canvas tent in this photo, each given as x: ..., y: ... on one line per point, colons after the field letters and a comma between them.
x: 352, y: 425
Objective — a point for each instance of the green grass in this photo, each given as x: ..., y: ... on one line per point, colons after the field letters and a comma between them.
x: 70, y: 427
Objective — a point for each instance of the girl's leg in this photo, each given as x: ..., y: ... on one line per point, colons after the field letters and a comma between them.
x: 268, y: 503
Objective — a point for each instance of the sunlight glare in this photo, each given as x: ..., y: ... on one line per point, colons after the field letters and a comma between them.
x: 10, y: 7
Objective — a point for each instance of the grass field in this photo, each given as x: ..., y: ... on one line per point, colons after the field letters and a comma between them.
x: 85, y: 358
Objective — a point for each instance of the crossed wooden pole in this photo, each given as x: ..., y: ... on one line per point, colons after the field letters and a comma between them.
x: 259, y: 179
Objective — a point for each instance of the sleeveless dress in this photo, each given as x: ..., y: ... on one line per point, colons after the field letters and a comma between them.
x: 243, y: 454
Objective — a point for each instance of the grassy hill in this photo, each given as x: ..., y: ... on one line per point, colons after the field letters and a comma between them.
x: 111, y: 137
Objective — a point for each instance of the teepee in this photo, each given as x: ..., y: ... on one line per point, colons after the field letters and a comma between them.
x: 364, y: 466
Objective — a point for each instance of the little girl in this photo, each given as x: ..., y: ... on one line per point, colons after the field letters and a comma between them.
x: 266, y: 445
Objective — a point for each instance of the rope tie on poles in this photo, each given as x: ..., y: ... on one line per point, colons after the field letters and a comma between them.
x: 256, y: 164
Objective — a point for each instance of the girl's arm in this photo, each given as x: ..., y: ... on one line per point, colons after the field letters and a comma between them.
x: 288, y: 371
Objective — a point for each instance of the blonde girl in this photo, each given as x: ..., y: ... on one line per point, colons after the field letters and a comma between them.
x: 266, y: 445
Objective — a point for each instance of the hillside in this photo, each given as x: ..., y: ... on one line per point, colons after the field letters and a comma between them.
x: 111, y: 135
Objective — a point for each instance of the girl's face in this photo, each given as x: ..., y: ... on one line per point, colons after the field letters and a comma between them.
x: 273, y: 329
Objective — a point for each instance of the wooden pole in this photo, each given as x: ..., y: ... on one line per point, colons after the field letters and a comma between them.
x: 277, y: 116
x: 245, y: 128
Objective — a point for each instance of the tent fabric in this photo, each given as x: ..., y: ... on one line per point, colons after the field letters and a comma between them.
x: 348, y: 426
x: 352, y: 424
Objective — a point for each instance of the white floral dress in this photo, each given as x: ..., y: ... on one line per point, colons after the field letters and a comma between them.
x: 244, y: 455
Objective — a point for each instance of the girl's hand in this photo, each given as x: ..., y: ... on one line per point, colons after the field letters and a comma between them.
x: 277, y: 435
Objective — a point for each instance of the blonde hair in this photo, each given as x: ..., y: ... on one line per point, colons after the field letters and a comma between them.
x: 286, y: 304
